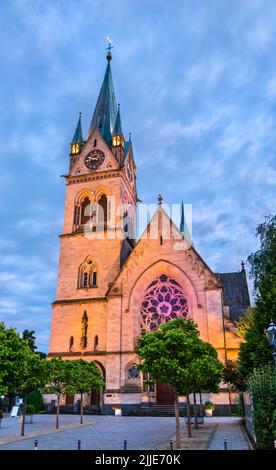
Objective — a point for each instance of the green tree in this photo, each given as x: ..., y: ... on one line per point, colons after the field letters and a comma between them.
x: 255, y: 351
x: 233, y: 377
x: 59, y: 374
x: 171, y: 355
x: 262, y: 383
x: 29, y: 336
x: 245, y: 323
x: 84, y: 377
x: 21, y: 369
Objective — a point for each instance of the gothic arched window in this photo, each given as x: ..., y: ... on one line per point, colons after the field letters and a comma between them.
x: 85, y: 215
x: 88, y: 273
x: 164, y: 300
x: 102, y: 212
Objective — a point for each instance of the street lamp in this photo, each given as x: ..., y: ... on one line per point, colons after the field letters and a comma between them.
x: 271, y: 337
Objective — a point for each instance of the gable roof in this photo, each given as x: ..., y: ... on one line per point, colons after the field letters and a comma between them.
x: 235, y: 293
x: 181, y: 236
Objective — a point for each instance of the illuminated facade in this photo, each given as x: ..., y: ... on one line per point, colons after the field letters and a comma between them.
x: 110, y: 286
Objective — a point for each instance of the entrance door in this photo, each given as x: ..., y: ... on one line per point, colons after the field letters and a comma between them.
x: 95, y: 398
x: 69, y: 400
x: 165, y: 394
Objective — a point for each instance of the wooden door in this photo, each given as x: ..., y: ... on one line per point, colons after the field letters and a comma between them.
x: 165, y: 394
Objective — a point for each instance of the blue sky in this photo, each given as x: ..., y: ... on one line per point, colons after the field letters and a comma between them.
x: 196, y: 81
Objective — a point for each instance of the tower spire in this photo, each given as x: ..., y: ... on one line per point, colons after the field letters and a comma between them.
x: 78, y: 132
x: 106, y: 108
x: 182, y: 221
x: 77, y: 141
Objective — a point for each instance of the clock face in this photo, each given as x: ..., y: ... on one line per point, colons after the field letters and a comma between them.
x: 94, y: 159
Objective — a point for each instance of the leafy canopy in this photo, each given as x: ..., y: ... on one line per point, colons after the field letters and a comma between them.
x: 176, y: 355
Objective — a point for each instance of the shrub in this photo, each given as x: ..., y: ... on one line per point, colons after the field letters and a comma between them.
x: 35, y: 399
x: 274, y: 424
x: 30, y: 409
x: 262, y: 385
x: 208, y: 405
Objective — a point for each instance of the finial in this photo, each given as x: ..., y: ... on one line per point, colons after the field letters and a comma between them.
x: 109, y: 55
x: 129, y: 135
x: 160, y: 200
x: 242, y: 265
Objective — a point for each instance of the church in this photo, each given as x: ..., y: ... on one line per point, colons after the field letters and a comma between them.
x: 111, y: 286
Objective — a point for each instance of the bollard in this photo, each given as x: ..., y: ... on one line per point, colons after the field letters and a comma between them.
x: 36, y: 444
x: 125, y: 444
x: 225, y: 443
x: 171, y: 444
x: 79, y: 444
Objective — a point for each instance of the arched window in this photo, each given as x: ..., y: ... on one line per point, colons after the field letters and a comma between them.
x: 85, y: 213
x: 96, y: 342
x: 88, y: 273
x: 102, y: 212
x: 95, y: 142
x: 164, y: 300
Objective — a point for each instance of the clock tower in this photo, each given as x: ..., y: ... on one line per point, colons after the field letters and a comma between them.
x: 99, y: 228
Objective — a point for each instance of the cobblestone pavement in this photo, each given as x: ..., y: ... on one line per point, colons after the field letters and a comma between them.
x: 108, y: 433
x: 231, y: 430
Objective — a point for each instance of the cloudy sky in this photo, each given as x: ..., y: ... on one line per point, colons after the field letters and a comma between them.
x: 196, y: 80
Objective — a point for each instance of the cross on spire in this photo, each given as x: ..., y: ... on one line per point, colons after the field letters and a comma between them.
x: 160, y: 200
x: 109, y: 55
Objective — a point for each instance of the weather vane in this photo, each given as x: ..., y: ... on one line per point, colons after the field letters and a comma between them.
x: 109, y: 56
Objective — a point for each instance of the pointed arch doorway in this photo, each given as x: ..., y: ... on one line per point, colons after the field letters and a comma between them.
x: 164, y: 394
x: 96, y: 396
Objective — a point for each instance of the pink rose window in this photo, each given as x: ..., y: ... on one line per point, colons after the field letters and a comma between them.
x: 164, y: 301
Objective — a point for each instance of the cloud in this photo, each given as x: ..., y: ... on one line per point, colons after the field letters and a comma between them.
x: 197, y: 88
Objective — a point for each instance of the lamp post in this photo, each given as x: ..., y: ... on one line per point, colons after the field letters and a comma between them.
x: 271, y: 337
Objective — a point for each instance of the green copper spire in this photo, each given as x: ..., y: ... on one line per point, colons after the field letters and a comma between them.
x: 184, y: 227
x: 106, y: 109
x: 78, y: 133
x: 118, y: 123
x: 182, y: 222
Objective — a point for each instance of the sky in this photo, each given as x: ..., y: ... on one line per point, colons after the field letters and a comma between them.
x: 196, y: 81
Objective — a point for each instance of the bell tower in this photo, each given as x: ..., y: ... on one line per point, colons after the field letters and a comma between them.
x: 99, y: 226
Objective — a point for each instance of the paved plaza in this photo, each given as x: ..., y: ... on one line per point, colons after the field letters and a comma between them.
x: 109, y: 433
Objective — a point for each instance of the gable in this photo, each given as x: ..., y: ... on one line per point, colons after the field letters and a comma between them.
x: 95, y: 142
x: 178, y: 250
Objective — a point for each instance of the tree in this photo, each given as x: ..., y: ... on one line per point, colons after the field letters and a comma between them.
x: 29, y: 336
x: 21, y: 369
x: 171, y: 355
x: 262, y: 384
x: 255, y: 351
x: 84, y: 377
x: 59, y: 374
x: 245, y: 323
x: 233, y: 377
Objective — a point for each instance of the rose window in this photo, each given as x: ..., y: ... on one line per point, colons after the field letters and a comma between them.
x: 164, y: 300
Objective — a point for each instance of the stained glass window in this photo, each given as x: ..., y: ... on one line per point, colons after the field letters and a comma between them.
x: 133, y: 372
x: 164, y: 300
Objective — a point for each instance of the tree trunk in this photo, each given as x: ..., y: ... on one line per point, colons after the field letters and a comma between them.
x: 201, y: 405
x: 81, y: 418
x: 230, y: 399
x: 189, y: 417
x: 57, y: 414
x: 23, y: 416
x: 195, y: 412
x: 177, y: 422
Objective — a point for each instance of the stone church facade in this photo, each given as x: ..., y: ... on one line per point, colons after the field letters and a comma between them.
x: 110, y: 286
